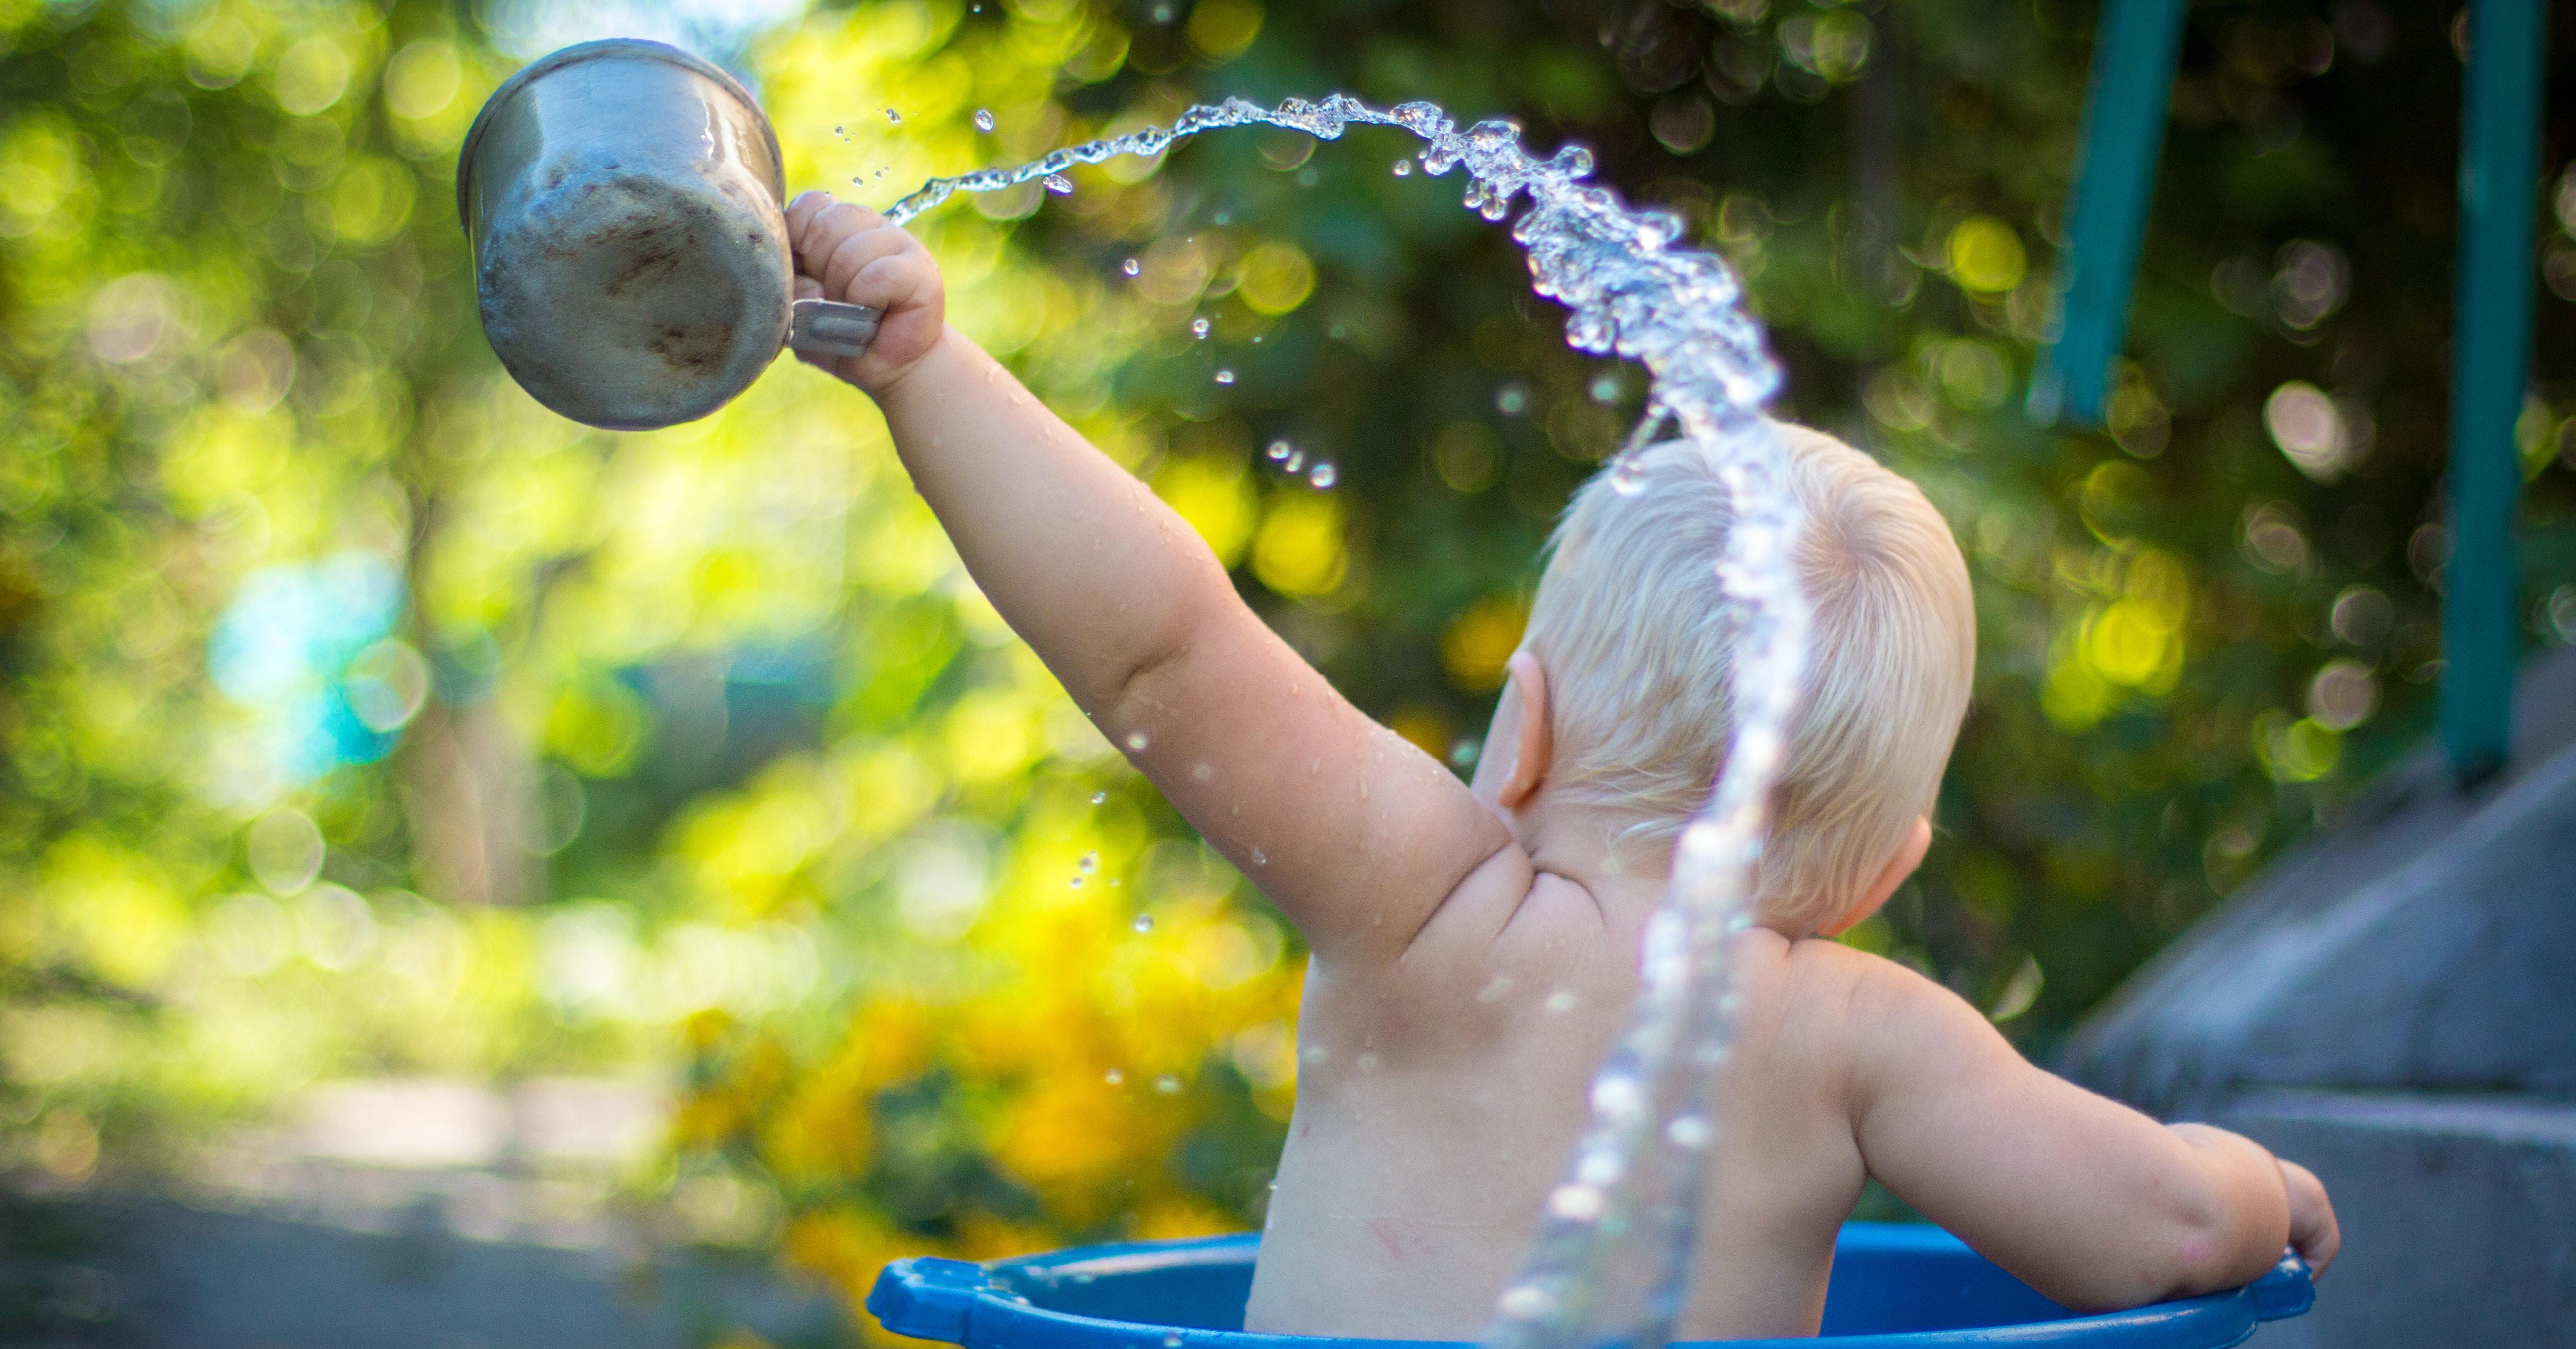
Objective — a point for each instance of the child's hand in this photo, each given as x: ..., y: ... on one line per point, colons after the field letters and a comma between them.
x: 849, y: 253
x: 2313, y: 1233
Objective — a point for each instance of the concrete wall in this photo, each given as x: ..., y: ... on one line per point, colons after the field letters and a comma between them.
x: 2459, y: 1216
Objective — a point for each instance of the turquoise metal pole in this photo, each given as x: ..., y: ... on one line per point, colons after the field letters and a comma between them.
x: 2124, y: 132
x: 2490, y: 349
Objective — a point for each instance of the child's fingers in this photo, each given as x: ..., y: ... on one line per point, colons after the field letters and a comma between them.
x: 884, y: 282
x: 819, y: 207
x: 826, y: 225
x: 801, y: 215
x: 858, y: 253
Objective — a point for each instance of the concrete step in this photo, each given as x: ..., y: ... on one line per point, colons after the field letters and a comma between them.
x: 2458, y: 1214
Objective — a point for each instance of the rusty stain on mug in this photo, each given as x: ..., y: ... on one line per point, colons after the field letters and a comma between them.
x: 624, y: 200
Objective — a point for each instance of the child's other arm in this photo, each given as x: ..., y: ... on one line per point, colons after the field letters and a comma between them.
x: 2082, y: 1198
x: 1356, y: 834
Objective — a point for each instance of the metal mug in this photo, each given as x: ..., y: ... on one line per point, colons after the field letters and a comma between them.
x: 625, y: 204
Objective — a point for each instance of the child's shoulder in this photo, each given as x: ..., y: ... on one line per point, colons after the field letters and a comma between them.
x: 1868, y: 1004
x: 1880, y: 1024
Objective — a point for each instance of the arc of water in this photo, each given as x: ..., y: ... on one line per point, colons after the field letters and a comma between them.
x: 1612, y: 1260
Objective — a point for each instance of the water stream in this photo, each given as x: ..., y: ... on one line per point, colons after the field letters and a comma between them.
x: 1613, y: 1256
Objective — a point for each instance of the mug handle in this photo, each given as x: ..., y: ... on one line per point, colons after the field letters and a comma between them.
x: 830, y: 328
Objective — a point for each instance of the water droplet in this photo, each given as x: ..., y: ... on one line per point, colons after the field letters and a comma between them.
x: 1172, y: 1340
x: 1199, y: 328
x: 1511, y: 400
x: 1132, y: 267
x: 1618, y: 1098
x: 1090, y: 863
x: 983, y: 119
x: 1058, y: 184
x: 1296, y: 461
x: 1260, y: 858
x: 1225, y: 376
x: 1606, y: 387
x: 1113, y: 1077
x: 1403, y: 168
x: 1223, y: 218
x: 1077, y: 882
x: 1136, y: 741
x: 1561, y: 1001
x: 1168, y: 1085
x: 1368, y: 1063
x: 1325, y: 475
x: 1575, y: 1203
x: 894, y: 117
x: 1279, y: 449
x: 1337, y: 332
x: 1689, y: 1131
x: 1098, y: 797
x: 1144, y: 922
x: 841, y: 131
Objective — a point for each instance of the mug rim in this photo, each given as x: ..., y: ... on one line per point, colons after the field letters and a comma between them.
x: 587, y: 51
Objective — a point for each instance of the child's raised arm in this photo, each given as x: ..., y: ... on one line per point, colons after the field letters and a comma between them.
x: 2090, y: 1202
x: 1356, y: 834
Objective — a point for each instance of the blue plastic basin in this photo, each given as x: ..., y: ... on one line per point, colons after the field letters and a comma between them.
x: 1893, y: 1285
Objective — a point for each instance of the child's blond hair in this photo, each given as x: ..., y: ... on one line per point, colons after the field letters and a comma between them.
x: 1638, y: 650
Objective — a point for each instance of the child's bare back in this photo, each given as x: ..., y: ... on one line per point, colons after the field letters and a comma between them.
x: 1476, y: 944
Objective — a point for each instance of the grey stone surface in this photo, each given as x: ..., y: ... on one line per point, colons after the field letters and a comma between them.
x: 150, y: 1273
x: 2459, y: 1216
x: 2430, y: 943
x: 2394, y: 1005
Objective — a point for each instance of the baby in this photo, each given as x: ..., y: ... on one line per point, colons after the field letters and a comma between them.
x: 1476, y: 945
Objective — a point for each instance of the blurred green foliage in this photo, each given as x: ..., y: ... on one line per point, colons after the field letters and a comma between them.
x: 358, y: 716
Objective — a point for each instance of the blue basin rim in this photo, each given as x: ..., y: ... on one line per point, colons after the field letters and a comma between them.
x: 1910, y: 1287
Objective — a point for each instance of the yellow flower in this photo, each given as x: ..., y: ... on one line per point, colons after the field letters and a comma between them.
x: 1173, y: 1217
x: 1476, y: 647
x: 1215, y: 496
x: 1299, y: 551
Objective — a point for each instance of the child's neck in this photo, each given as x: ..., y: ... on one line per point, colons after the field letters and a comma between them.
x: 1580, y: 843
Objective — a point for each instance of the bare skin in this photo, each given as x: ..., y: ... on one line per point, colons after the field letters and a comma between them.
x: 1476, y: 948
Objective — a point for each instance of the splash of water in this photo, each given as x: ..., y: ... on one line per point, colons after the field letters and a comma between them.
x: 1613, y: 1255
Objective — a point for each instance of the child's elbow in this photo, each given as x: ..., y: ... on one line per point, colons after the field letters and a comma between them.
x: 2227, y: 1229
x: 2218, y: 1245
x: 2185, y: 1252
x: 2223, y: 1256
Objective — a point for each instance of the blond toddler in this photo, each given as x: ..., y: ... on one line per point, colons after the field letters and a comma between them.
x: 1476, y: 945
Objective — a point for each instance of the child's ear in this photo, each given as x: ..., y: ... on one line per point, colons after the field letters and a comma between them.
x: 1535, y: 752
x: 1900, y: 864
